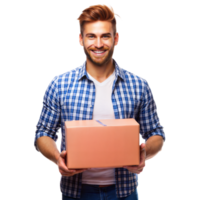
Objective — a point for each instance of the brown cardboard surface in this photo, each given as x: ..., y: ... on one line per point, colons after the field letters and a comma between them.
x: 90, y: 144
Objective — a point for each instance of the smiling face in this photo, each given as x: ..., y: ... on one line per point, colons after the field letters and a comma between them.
x: 98, y: 41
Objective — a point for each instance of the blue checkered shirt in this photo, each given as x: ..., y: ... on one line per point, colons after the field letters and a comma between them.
x: 71, y: 96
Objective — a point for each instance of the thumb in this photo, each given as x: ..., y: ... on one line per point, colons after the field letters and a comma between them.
x: 63, y: 154
x: 142, y: 147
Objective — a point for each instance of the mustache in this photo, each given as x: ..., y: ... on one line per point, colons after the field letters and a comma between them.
x: 98, y: 49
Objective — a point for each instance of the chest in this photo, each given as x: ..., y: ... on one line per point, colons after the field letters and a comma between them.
x: 78, y: 101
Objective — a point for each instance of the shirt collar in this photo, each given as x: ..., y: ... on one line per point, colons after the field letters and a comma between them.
x: 118, y: 71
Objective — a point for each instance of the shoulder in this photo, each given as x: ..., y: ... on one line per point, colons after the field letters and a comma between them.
x: 135, y: 84
x: 60, y: 83
x: 134, y: 79
x: 67, y: 76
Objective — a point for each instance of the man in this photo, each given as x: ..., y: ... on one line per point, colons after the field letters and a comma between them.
x: 99, y: 89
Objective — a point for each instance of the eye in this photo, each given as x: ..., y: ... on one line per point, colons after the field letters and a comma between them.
x: 105, y: 36
x: 91, y: 36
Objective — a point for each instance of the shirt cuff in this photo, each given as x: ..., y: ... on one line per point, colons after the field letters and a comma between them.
x: 38, y: 135
x: 158, y: 131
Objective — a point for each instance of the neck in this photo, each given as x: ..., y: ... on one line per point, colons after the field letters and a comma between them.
x: 100, y: 73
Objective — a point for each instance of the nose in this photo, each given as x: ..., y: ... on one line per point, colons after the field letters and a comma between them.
x: 98, y: 43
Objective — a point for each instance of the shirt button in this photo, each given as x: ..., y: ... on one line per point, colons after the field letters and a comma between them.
x: 90, y: 105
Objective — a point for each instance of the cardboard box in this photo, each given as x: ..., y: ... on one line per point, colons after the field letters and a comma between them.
x: 102, y: 143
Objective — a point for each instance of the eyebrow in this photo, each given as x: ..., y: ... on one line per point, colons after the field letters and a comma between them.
x: 109, y: 34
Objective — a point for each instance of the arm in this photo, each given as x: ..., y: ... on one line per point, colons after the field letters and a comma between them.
x: 48, y: 148
x: 153, y: 146
x: 148, y: 150
x: 49, y: 123
x: 150, y: 129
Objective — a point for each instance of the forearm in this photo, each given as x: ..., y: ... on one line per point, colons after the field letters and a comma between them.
x: 153, y: 146
x: 48, y: 148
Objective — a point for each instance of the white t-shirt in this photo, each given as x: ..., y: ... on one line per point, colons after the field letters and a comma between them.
x: 103, y: 109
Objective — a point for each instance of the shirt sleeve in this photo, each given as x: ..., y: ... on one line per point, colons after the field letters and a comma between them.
x: 147, y: 116
x: 49, y: 121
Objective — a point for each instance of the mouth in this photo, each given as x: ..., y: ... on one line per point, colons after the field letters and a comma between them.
x: 98, y: 53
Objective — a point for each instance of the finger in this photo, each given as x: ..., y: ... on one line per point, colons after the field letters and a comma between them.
x: 141, y: 158
x: 62, y: 159
x: 73, y: 173
x: 63, y: 154
x: 66, y: 170
x: 132, y: 168
x: 66, y: 173
x: 142, y: 146
x: 142, y: 155
x: 64, y: 167
x: 79, y: 171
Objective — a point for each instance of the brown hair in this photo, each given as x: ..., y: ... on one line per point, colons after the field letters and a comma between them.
x: 97, y: 13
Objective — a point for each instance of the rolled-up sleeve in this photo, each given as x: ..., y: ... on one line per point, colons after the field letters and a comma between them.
x: 49, y: 121
x: 147, y: 116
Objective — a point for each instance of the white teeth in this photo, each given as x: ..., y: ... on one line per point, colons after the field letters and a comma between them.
x: 98, y: 51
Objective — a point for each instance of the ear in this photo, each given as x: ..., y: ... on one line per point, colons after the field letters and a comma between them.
x: 80, y: 39
x: 116, y: 38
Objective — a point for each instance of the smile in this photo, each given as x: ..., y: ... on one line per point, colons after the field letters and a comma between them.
x: 98, y: 52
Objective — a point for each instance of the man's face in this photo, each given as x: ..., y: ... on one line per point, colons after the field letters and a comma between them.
x: 98, y: 41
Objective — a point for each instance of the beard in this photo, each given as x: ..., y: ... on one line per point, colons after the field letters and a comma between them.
x: 104, y: 60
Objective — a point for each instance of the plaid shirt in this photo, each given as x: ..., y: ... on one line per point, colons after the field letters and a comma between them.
x: 71, y: 96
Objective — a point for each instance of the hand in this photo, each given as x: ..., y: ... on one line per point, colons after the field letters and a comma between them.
x: 63, y: 168
x: 138, y: 168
